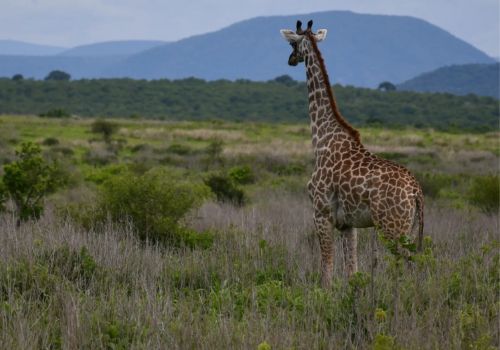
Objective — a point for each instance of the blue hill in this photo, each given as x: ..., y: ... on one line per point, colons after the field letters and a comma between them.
x: 15, y: 47
x: 479, y: 79
x: 110, y: 48
x: 360, y: 49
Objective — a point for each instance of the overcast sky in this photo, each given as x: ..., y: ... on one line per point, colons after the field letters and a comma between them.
x: 75, y: 22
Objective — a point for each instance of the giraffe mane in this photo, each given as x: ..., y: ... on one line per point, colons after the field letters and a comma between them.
x: 340, y: 119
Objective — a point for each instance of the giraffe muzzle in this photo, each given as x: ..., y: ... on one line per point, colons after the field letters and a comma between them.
x: 294, y: 60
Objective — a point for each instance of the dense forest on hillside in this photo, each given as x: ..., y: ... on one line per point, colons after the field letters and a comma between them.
x: 279, y: 100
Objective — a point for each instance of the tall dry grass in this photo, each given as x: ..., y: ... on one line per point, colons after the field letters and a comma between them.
x: 258, y: 282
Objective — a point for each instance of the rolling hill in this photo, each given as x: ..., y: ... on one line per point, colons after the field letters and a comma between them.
x: 479, y: 79
x: 39, y: 67
x: 110, y: 48
x: 360, y: 50
x: 15, y: 47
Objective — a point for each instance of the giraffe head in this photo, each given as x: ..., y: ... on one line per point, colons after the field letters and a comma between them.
x: 300, y: 41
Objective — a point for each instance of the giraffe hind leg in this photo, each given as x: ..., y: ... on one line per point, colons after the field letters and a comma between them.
x: 324, y: 229
x: 350, y: 248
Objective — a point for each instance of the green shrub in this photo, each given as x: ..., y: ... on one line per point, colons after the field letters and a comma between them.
x: 50, y: 141
x: 76, y: 266
x: 29, y: 179
x: 242, y: 174
x: 288, y: 168
x: 394, y: 156
x: 55, y: 113
x: 105, y: 128
x: 99, y: 157
x: 154, y: 203
x: 30, y: 281
x: 225, y: 189
x: 433, y: 183
x: 3, y: 196
x: 179, y: 149
x: 484, y: 193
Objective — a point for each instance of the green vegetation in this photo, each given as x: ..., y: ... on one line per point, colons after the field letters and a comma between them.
x: 55, y: 113
x: 28, y: 180
x: 58, y: 75
x: 225, y: 189
x: 278, y: 100
x: 485, y: 193
x: 105, y: 128
x: 139, y: 251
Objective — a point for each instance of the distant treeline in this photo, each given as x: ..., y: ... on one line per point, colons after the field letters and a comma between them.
x: 279, y: 100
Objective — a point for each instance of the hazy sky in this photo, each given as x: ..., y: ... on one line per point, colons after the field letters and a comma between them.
x: 75, y: 22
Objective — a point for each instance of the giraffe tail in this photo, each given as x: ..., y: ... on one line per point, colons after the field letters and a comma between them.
x: 420, y: 213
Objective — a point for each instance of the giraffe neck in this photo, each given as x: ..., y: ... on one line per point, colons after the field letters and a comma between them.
x: 326, y: 120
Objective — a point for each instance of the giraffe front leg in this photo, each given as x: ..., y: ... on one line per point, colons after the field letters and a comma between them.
x: 350, y: 247
x: 324, y: 227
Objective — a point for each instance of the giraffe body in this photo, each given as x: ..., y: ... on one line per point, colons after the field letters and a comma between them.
x: 350, y: 187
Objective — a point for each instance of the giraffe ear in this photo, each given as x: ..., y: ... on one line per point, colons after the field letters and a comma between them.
x: 290, y: 35
x: 320, y: 35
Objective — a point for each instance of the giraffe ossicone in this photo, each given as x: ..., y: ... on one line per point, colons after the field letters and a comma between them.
x: 350, y: 187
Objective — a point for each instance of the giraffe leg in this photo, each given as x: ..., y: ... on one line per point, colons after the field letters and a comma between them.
x: 324, y: 228
x: 350, y: 247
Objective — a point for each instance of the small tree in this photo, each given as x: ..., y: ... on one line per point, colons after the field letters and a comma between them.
x: 387, y: 86
x: 214, y: 152
x: 28, y: 180
x: 58, y: 75
x: 105, y: 128
x: 17, y: 77
x: 285, y: 80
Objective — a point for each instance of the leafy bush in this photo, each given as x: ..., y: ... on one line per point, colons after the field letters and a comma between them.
x: 484, y: 193
x: 105, y: 128
x: 214, y: 152
x: 225, y: 189
x: 76, y: 266
x: 50, y: 141
x: 29, y: 179
x: 433, y: 183
x: 3, y: 196
x: 22, y: 279
x: 289, y: 169
x: 58, y: 75
x: 55, y: 113
x: 99, y: 156
x: 154, y: 203
x: 242, y: 174
x: 179, y: 149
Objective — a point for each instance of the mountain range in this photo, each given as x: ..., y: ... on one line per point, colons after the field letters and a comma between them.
x: 360, y: 49
x: 14, y: 47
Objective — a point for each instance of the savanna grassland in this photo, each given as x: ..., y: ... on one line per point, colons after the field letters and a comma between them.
x: 199, y: 235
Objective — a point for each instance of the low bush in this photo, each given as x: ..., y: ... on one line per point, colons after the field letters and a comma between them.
x: 104, y: 127
x: 225, y: 189
x: 179, y: 149
x: 242, y: 174
x: 484, y: 193
x: 99, y: 156
x: 50, y: 141
x: 155, y: 204
x: 29, y: 179
x: 55, y: 113
x: 433, y: 183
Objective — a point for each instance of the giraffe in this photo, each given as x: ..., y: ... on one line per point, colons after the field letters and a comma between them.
x: 350, y: 187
